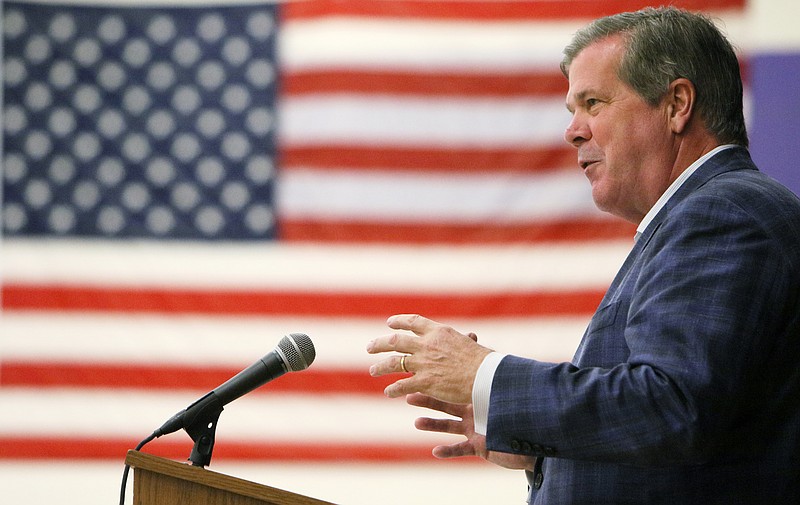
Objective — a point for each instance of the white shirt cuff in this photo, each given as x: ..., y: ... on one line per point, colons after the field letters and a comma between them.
x: 482, y: 390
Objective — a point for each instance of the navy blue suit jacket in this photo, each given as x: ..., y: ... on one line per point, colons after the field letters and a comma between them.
x: 686, y: 386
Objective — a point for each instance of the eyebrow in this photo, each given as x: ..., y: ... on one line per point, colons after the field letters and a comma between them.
x: 579, y: 97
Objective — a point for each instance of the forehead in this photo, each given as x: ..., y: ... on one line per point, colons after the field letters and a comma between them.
x: 595, y: 67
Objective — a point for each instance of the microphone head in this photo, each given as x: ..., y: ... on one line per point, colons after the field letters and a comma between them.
x: 297, y: 351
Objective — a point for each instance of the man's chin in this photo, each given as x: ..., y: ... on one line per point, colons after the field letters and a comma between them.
x: 602, y: 200
x: 599, y: 197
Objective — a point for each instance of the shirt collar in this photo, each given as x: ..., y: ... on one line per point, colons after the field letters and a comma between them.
x: 676, y: 184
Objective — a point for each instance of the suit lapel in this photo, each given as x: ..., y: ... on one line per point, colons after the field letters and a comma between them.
x: 728, y: 160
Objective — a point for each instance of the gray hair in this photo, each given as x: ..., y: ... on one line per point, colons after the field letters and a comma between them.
x: 664, y: 44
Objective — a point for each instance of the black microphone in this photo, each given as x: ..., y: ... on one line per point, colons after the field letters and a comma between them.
x: 294, y: 352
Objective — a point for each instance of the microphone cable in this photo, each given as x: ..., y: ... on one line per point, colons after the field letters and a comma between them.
x: 128, y: 468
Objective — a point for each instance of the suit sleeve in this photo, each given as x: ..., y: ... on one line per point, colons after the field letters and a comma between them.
x: 674, y: 363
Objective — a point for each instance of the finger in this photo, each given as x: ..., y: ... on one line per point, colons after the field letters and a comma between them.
x: 411, y: 322
x: 389, y: 365
x: 439, y: 425
x: 428, y: 402
x: 407, y: 344
x: 400, y: 388
x: 454, y: 450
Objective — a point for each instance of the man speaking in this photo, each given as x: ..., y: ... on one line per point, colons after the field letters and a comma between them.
x: 686, y: 387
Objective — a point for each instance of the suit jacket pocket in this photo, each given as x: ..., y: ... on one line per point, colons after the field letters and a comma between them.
x: 603, y: 317
x: 591, y: 352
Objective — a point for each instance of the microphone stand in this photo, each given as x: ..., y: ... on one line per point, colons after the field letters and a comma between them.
x: 202, y: 428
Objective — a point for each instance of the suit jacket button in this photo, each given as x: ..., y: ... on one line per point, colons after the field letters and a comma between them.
x: 526, y: 447
x: 538, y: 479
x: 515, y: 445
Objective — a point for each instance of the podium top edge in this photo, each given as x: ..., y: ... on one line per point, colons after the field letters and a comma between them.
x: 211, y: 479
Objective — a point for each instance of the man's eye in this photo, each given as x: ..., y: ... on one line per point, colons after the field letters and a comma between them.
x: 591, y: 102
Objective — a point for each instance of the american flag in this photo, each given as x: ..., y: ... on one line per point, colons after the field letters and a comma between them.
x: 184, y: 184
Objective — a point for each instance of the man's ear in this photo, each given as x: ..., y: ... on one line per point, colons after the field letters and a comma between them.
x: 680, y: 104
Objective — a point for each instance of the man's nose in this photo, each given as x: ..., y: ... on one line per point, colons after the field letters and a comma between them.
x: 577, y: 131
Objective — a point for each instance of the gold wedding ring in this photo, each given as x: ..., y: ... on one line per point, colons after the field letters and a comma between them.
x: 403, y: 363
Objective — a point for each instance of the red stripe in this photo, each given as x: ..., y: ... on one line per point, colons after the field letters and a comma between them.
x: 461, y: 160
x: 567, y: 230
x: 173, y: 447
x: 186, y: 301
x: 176, y: 377
x: 440, y: 83
x: 424, y: 83
x: 487, y: 11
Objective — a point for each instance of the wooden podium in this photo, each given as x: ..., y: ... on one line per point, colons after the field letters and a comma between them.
x: 159, y: 481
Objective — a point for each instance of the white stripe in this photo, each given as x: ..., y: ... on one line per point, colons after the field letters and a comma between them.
x: 513, y: 46
x: 438, y: 482
x: 414, y: 44
x: 418, y: 121
x: 313, y: 267
x: 238, y: 341
x: 343, y: 482
x: 774, y: 25
x: 430, y: 198
x: 255, y: 417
